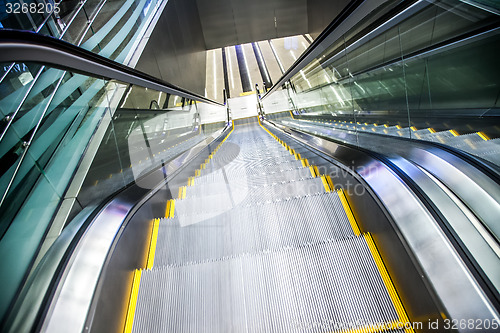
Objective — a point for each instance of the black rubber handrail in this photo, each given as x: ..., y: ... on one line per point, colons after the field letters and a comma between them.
x: 26, y: 46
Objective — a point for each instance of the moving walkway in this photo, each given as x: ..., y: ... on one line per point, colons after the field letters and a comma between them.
x: 259, y: 224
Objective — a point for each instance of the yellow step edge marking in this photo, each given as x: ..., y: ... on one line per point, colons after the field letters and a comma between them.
x: 167, y: 210
x: 432, y: 130
x: 313, y: 174
x: 348, y: 211
x: 483, y: 136
x: 403, y: 317
x: 330, y: 183
x: 179, y: 196
x: 413, y: 128
x: 152, y: 244
x: 297, y: 156
x: 455, y: 133
x: 184, y: 189
x: 398, y: 126
x: 291, y: 114
x: 132, y: 302
x: 172, y: 209
x: 325, y: 184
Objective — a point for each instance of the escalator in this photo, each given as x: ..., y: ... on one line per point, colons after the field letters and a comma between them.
x: 260, y: 241
x: 311, y: 217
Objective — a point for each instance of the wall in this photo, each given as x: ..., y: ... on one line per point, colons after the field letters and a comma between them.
x: 321, y: 12
x: 175, y: 51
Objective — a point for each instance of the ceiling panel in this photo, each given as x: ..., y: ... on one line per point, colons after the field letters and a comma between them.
x: 232, y: 22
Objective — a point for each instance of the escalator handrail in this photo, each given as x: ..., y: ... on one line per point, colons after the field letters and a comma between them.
x: 318, y: 143
x: 25, y: 46
x: 102, y: 224
x: 356, y: 9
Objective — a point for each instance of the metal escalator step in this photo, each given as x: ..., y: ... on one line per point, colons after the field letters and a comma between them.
x: 248, y: 190
x: 314, y: 287
x: 251, y: 228
x: 257, y: 178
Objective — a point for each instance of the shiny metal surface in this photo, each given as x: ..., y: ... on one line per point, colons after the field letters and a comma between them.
x: 473, y: 194
x: 70, y: 305
x: 259, y: 245
x: 457, y: 290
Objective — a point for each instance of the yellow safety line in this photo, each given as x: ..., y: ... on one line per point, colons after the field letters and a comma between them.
x: 483, y: 136
x: 291, y: 114
x: 129, y: 321
x: 348, y: 211
x: 152, y: 244
x: 247, y: 93
x: 330, y: 183
x: 167, y: 210
x: 455, y: 133
x: 403, y: 317
x: 172, y: 209
x: 313, y: 174
x: 325, y: 184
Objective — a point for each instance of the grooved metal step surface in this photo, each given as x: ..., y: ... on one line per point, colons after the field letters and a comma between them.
x: 316, y: 287
x: 251, y: 228
x: 260, y: 245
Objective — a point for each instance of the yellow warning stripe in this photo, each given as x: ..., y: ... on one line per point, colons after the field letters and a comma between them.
x: 179, y: 196
x: 169, y: 212
x: 455, y: 133
x: 152, y: 244
x: 403, y: 317
x: 483, y: 136
x: 129, y: 321
x: 432, y: 130
x: 348, y: 211
x: 172, y: 209
x: 305, y: 163
x: 325, y: 184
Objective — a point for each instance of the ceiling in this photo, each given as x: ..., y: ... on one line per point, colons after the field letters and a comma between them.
x: 233, y: 22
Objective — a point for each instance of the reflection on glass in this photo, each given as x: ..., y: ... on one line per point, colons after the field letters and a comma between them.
x: 427, y: 73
